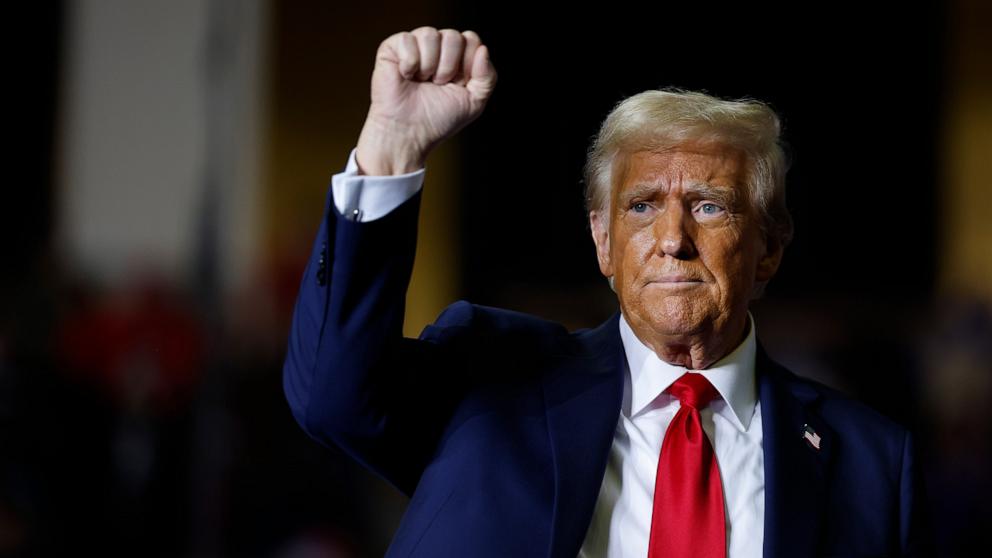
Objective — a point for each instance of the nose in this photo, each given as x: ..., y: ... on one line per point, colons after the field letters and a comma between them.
x: 673, y: 231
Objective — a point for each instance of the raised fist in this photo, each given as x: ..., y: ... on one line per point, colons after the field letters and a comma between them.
x: 427, y: 85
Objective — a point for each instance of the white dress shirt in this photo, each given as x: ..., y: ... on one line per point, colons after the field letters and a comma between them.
x: 372, y: 196
x: 621, y: 521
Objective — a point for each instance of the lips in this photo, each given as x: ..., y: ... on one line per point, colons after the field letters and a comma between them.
x: 676, y: 278
x: 673, y: 275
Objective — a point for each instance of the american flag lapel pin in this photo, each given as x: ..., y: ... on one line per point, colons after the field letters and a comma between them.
x: 811, y: 437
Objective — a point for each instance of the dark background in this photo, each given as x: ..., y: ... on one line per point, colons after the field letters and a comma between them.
x: 860, y: 98
x: 863, y: 91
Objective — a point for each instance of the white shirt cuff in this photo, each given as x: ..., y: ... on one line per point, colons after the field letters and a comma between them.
x: 372, y: 196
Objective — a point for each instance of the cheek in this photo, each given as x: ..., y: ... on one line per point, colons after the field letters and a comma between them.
x: 630, y: 250
x: 731, y: 262
x: 637, y: 251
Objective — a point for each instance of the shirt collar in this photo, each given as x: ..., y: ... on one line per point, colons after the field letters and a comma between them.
x: 732, y: 376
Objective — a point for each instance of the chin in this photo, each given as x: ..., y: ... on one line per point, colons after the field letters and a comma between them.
x: 675, y: 317
x: 677, y: 329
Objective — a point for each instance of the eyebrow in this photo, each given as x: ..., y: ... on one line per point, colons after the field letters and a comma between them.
x: 726, y: 196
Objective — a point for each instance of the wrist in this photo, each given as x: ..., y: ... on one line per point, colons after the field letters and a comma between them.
x: 383, y: 152
x: 376, y: 163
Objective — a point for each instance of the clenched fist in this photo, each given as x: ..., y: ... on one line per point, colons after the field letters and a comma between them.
x: 427, y: 85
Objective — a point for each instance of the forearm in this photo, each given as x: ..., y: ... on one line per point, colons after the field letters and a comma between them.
x: 352, y: 197
x: 348, y: 368
x: 341, y: 326
x: 371, y: 268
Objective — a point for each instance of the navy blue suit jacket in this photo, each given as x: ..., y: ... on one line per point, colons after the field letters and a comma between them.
x: 498, y: 424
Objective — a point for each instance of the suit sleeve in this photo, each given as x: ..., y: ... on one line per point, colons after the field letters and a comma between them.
x: 351, y: 379
x: 915, y: 534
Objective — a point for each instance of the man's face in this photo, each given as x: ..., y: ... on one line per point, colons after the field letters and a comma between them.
x: 683, y: 243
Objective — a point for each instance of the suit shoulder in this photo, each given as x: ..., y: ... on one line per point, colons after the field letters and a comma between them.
x: 842, y: 403
x: 489, y: 325
x: 843, y: 411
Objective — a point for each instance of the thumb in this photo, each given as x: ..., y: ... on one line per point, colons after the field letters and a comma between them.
x: 483, y: 77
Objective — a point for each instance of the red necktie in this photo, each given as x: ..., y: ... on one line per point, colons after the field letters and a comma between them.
x: 688, y: 517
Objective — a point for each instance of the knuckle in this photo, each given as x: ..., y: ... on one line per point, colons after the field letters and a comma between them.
x: 453, y: 43
x: 395, y: 38
x: 425, y: 31
x: 395, y: 41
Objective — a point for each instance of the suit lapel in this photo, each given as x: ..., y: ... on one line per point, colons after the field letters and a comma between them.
x: 582, y: 400
x: 583, y: 396
x: 795, y: 471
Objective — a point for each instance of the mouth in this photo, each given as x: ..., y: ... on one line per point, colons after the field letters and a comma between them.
x: 675, y: 282
x: 675, y: 278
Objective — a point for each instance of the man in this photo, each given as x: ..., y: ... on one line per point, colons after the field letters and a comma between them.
x: 665, y: 431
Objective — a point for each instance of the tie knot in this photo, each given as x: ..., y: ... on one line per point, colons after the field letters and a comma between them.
x: 693, y: 390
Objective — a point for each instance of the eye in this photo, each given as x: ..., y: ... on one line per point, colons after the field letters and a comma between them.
x: 709, y: 209
x: 639, y: 207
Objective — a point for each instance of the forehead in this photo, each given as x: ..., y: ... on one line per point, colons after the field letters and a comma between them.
x: 716, y: 165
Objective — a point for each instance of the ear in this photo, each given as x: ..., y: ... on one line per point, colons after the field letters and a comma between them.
x: 601, y: 238
x: 770, y: 260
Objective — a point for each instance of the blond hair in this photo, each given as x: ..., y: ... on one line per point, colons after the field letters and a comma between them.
x: 665, y: 118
